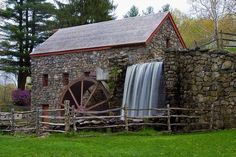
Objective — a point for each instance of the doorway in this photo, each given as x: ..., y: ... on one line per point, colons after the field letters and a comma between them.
x: 45, y: 108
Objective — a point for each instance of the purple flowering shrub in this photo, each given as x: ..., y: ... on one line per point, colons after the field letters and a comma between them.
x: 21, y: 97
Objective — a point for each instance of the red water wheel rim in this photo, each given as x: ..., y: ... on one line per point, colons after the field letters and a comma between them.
x: 81, y: 92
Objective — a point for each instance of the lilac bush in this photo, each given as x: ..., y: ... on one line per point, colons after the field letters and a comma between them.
x: 21, y: 97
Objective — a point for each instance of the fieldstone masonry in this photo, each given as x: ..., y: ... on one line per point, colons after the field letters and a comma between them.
x: 77, y: 63
x: 193, y: 78
x: 197, y: 78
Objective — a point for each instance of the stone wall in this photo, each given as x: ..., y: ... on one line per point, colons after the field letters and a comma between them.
x: 77, y: 63
x: 202, y: 78
x: 193, y: 78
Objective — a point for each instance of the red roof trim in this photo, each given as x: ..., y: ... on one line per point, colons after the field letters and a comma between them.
x: 175, y: 28
x: 70, y: 51
x: 86, y: 49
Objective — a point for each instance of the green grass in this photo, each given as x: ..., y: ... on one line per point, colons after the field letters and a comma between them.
x: 142, y: 144
x: 231, y: 49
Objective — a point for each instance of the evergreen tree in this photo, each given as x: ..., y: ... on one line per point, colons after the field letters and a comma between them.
x: 25, y: 24
x: 149, y: 11
x: 80, y: 12
x: 134, y: 11
x: 165, y: 8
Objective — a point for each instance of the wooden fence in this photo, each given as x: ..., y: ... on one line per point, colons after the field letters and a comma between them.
x: 225, y: 40
x: 17, y: 121
x: 67, y: 119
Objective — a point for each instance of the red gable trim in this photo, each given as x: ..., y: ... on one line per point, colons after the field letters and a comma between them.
x: 175, y: 29
x: 69, y: 51
x: 86, y: 49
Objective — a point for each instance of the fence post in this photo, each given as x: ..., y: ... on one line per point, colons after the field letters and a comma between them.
x: 74, y: 118
x: 37, y: 123
x: 12, y: 120
x: 67, y: 115
x: 212, y: 117
x: 168, y: 118
x: 126, y: 118
x: 221, y: 39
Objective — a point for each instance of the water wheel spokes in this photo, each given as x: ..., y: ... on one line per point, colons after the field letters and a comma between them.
x: 91, y: 94
x: 73, y: 97
x: 81, y: 92
x: 100, y: 103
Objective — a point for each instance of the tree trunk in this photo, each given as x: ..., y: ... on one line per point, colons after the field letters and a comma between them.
x: 21, y: 80
x: 216, y: 34
x: 216, y: 21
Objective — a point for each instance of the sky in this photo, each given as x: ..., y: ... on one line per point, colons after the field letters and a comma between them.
x: 125, y: 5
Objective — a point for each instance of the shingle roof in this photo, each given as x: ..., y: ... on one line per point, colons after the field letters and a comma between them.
x: 110, y: 33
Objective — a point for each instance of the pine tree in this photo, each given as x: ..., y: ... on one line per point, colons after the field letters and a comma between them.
x: 165, y: 8
x: 149, y: 11
x: 25, y: 24
x: 80, y: 12
x: 134, y: 11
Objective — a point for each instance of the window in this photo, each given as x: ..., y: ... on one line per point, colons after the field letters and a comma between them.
x: 45, y: 79
x: 65, y: 79
x: 167, y: 42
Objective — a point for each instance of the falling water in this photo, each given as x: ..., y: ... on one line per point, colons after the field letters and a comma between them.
x: 143, y: 88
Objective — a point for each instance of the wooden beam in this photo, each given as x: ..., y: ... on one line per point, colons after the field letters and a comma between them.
x: 73, y: 98
x: 104, y: 90
x: 100, y: 112
x: 91, y: 95
x: 81, y: 92
x: 102, y: 102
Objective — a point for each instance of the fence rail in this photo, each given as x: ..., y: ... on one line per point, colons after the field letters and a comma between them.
x: 225, y: 40
x: 35, y: 122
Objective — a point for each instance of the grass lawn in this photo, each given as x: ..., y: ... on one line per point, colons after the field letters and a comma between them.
x: 142, y: 144
x: 231, y: 49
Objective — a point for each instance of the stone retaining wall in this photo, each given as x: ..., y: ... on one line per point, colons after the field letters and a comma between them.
x: 202, y: 78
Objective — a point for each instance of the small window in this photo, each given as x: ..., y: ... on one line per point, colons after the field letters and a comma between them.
x: 45, y: 79
x: 65, y: 79
x: 167, y: 42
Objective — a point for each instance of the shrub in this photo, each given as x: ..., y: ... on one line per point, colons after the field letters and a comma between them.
x: 21, y: 97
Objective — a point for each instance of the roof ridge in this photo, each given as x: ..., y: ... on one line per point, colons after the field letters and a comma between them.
x: 111, y: 33
x: 115, y: 20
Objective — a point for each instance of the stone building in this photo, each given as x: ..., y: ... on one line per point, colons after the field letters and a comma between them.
x: 72, y: 63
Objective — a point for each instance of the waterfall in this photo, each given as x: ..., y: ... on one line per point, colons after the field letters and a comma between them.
x: 143, y: 88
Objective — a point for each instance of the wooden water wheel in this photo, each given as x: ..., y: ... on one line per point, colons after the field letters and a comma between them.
x: 86, y: 94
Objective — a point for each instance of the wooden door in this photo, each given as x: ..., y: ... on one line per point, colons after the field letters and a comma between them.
x: 45, y: 108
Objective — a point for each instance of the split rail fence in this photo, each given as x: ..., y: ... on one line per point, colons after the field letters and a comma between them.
x: 225, y: 40
x: 67, y: 119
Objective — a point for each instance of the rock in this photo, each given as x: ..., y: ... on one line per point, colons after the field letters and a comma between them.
x: 207, y: 79
x: 200, y: 98
x: 205, y: 88
x: 233, y: 94
x: 215, y: 74
x: 226, y: 65
x: 214, y: 67
x: 219, y: 124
